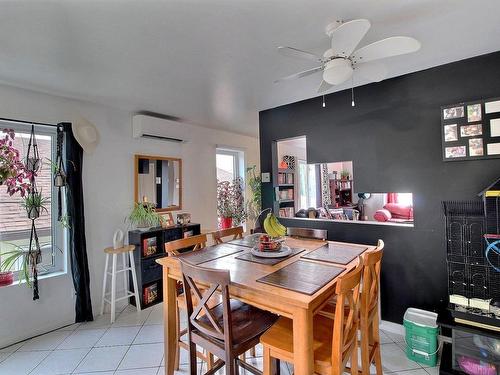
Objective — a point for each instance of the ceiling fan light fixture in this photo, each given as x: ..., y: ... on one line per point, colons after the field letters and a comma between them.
x: 337, y: 71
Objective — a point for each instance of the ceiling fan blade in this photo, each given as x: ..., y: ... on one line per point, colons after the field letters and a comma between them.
x: 325, y: 86
x: 300, y: 74
x: 298, y: 53
x: 393, y: 46
x: 372, y: 71
x: 347, y: 36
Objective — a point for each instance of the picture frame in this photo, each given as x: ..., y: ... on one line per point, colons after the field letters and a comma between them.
x: 167, y: 220
x: 471, y: 130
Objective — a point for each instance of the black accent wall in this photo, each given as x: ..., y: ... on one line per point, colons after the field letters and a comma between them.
x: 393, y: 137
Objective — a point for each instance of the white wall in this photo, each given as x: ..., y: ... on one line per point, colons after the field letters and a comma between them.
x: 108, y: 189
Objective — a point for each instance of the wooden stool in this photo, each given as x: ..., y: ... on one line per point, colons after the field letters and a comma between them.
x: 112, y: 299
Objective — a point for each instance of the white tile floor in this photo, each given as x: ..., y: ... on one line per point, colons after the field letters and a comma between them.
x: 133, y: 345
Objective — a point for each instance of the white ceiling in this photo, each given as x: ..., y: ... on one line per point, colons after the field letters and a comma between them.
x: 213, y: 62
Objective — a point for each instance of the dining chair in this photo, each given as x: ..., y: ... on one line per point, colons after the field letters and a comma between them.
x: 369, y: 319
x: 319, y: 234
x: 236, y: 232
x: 226, y: 330
x: 334, y: 341
x: 173, y: 248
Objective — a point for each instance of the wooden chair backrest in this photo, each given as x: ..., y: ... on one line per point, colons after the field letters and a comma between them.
x: 345, y: 326
x: 319, y: 234
x: 216, y: 279
x: 198, y: 242
x: 236, y: 232
x: 371, y: 281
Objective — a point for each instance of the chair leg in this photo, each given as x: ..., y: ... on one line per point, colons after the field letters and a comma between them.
x: 178, y: 338
x: 376, y: 343
x: 210, y: 362
x: 230, y: 365
x: 365, y: 350
x: 354, y: 359
x: 236, y: 367
x: 134, y: 281
x: 104, y: 283
x: 113, y: 289
x: 252, y: 352
x: 271, y: 365
x: 192, y: 358
x: 125, y: 273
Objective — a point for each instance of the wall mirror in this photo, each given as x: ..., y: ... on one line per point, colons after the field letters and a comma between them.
x: 158, y: 180
x: 326, y: 191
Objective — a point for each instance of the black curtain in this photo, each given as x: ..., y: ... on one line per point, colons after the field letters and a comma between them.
x: 77, y: 245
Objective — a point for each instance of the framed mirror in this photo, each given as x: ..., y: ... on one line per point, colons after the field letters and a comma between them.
x: 158, y: 180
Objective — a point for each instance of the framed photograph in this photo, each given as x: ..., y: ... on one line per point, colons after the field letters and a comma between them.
x: 471, y: 130
x: 474, y: 112
x: 453, y: 112
x: 455, y: 152
x: 450, y: 133
x: 476, y: 147
x: 495, y: 127
x: 167, y: 220
x: 493, y: 148
x: 492, y: 107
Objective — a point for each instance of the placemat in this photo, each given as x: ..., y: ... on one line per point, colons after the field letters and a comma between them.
x: 302, y: 276
x: 248, y: 256
x: 210, y: 253
x: 245, y: 241
x: 335, y: 253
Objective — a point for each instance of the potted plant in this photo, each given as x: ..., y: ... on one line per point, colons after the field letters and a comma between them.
x: 35, y: 203
x: 225, y: 207
x: 13, y: 173
x: 144, y: 216
x: 344, y: 175
x: 230, y: 203
x: 255, y: 183
x: 9, y: 259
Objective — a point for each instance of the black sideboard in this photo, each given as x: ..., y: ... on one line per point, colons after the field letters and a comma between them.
x: 149, y: 247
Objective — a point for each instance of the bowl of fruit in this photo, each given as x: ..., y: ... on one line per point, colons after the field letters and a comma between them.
x: 267, y: 243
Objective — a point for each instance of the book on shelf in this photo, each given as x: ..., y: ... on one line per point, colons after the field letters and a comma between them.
x: 150, y: 294
x: 149, y: 246
x: 285, y: 178
x: 287, y: 212
x: 284, y: 194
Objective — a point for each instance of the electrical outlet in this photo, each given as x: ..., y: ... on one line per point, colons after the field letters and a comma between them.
x: 266, y: 177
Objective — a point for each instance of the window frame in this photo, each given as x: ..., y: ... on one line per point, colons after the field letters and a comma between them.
x: 58, y: 233
x: 235, y: 154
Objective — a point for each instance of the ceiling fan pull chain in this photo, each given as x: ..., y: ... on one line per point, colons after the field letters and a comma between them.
x: 324, y: 104
x: 352, y: 90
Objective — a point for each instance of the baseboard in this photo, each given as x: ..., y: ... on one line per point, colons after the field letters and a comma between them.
x: 392, y: 327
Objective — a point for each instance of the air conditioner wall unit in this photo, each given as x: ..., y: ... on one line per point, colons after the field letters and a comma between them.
x: 160, y: 129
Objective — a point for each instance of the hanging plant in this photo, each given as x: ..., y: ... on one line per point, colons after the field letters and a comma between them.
x: 35, y: 204
x: 13, y: 173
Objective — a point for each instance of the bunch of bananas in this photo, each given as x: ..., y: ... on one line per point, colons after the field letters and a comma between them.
x: 273, y: 227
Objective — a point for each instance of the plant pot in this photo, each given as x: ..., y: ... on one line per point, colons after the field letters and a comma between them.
x: 33, y: 164
x: 6, y: 278
x: 33, y: 212
x: 226, y: 222
x: 59, y: 180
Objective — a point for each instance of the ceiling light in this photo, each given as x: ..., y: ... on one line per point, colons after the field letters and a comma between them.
x: 337, y: 71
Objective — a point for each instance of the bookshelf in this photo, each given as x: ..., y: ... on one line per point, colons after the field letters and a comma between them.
x: 285, y: 192
x: 341, y: 192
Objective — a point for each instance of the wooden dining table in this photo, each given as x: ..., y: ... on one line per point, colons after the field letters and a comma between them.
x: 299, y: 307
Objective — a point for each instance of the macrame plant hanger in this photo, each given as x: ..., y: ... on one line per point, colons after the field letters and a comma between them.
x: 33, y: 163
x: 60, y: 172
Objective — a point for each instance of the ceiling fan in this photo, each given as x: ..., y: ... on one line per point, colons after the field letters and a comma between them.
x: 339, y: 62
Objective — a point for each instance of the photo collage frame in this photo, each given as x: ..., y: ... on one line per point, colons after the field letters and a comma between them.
x: 471, y: 130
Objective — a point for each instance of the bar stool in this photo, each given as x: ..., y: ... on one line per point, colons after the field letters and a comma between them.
x: 129, y: 249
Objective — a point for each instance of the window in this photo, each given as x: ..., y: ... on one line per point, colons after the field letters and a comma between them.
x: 229, y: 164
x: 15, y: 227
